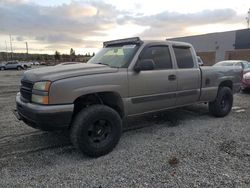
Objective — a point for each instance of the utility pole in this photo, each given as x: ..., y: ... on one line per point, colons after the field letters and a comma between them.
x: 7, y: 57
x: 11, y: 50
x: 248, y: 18
x: 27, y: 50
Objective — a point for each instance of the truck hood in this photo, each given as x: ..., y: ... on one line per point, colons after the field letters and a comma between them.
x: 66, y: 71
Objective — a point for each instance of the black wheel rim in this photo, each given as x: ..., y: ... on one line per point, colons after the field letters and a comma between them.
x: 225, y: 102
x: 99, y: 131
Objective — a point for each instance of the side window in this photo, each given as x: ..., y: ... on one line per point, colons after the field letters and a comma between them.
x: 239, y: 65
x: 184, y: 57
x: 246, y: 65
x: 160, y: 55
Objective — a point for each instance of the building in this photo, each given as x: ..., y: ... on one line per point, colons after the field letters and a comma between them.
x: 214, y: 47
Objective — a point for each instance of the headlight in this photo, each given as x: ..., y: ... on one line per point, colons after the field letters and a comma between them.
x: 40, y: 93
x: 42, y: 86
x: 40, y: 99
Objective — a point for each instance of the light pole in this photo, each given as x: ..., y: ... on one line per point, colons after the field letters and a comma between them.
x: 11, y: 50
x: 248, y: 18
x: 27, y: 50
x: 6, y: 51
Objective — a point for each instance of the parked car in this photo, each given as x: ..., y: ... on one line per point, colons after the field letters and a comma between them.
x: 44, y: 63
x: 127, y: 78
x: 246, y: 81
x: 26, y: 65
x: 2, y: 65
x: 245, y: 65
x: 36, y: 63
x: 13, y: 65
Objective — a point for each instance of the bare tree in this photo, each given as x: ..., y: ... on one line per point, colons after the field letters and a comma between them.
x: 57, y: 56
x: 72, y: 54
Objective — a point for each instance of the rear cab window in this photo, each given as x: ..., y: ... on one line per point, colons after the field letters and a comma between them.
x: 184, y: 57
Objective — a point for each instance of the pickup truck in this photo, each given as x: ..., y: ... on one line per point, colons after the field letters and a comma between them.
x: 128, y: 77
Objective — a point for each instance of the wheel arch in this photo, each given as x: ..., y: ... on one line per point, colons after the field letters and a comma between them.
x: 226, y: 83
x: 108, y: 98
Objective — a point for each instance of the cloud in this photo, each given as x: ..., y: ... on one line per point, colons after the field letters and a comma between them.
x: 73, y: 24
x: 58, y: 38
x: 172, y: 24
x: 19, y: 38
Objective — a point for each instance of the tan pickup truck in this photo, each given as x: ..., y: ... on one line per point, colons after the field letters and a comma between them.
x: 128, y: 77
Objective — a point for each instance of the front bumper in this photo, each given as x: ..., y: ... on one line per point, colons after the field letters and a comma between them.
x: 49, y: 117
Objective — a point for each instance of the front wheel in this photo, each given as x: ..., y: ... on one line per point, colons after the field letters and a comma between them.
x: 19, y: 68
x: 223, y: 103
x: 96, y: 130
x: 2, y: 69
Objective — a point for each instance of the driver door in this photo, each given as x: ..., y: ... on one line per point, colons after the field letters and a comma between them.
x: 153, y: 90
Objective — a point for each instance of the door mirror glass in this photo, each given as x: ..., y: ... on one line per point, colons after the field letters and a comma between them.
x: 145, y: 64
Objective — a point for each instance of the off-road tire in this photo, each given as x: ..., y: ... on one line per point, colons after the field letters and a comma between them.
x: 223, y: 103
x: 85, y: 127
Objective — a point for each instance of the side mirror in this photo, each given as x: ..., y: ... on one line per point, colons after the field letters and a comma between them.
x: 145, y: 64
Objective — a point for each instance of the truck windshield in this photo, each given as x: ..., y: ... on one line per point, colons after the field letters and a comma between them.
x: 115, y: 56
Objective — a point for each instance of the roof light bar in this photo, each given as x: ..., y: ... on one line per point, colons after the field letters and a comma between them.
x: 134, y: 40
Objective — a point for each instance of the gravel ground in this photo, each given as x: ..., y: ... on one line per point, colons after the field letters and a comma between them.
x: 178, y: 148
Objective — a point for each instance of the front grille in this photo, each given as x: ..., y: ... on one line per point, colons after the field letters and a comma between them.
x: 26, y: 90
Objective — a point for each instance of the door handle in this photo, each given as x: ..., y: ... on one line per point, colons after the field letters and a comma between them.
x: 172, y: 77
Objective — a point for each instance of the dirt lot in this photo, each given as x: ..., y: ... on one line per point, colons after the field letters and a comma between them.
x: 179, y: 148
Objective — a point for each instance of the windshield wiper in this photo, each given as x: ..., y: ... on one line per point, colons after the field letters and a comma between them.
x: 106, y: 64
x: 103, y: 63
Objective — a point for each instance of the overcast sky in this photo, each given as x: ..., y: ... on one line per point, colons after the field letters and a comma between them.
x: 49, y: 25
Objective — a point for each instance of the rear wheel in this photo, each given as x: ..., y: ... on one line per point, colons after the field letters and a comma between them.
x: 96, y: 130
x: 2, y: 68
x: 223, y: 103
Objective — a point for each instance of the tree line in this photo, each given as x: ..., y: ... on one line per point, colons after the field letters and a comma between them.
x: 72, y: 55
x: 57, y: 56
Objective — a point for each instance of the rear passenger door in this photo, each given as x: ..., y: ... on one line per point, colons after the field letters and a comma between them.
x: 152, y: 90
x: 188, y: 76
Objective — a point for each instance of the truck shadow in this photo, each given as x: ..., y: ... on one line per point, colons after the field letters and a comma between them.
x: 38, y: 141
x: 169, y: 117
